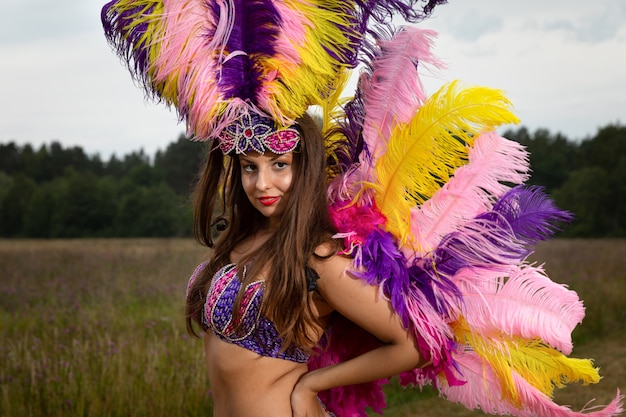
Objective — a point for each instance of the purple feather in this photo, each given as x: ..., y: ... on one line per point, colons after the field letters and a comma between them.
x: 127, y: 42
x: 479, y: 243
x: 385, y: 264
x: 530, y: 213
x: 348, y: 148
x: 382, y: 12
x: 430, y: 281
x: 504, y: 235
x: 255, y: 28
x: 423, y: 284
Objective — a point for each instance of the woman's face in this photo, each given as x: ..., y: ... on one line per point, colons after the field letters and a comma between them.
x: 266, y: 180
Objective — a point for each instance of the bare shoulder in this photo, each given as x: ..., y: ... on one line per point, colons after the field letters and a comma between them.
x: 329, y: 264
x: 335, y: 277
x: 355, y: 299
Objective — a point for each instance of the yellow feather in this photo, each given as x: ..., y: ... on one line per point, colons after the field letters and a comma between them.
x: 423, y: 154
x: 147, y: 13
x: 309, y: 79
x: 542, y: 366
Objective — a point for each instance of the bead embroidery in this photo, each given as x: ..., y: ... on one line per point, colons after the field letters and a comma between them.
x: 254, y: 133
x: 221, y: 289
x: 255, y: 332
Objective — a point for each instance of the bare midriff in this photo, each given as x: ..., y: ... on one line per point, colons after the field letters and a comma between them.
x: 246, y: 384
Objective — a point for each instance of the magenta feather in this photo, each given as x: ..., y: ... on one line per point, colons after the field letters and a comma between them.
x: 342, y: 341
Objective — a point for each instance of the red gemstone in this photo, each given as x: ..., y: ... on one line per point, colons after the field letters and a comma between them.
x: 247, y: 133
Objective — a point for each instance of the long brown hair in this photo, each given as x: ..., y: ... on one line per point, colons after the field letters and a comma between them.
x: 219, y: 199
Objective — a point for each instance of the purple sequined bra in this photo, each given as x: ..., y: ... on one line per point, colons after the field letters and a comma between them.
x: 256, y: 332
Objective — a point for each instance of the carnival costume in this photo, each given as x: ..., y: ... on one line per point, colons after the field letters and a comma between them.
x: 429, y: 200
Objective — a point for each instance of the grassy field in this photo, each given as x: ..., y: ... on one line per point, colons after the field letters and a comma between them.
x: 94, y: 328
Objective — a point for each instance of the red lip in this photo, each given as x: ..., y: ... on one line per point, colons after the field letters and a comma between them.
x: 268, y: 201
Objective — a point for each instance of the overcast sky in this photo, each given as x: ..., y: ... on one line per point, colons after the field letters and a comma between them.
x: 561, y: 62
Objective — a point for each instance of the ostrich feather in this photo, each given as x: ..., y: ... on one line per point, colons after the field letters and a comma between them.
x: 127, y: 25
x: 494, y: 162
x: 343, y: 127
x: 530, y: 213
x: 373, y: 16
x: 391, y: 89
x: 343, y: 341
x: 541, y: 366
x: 412, y: 292
x: 537, y: 404
x: 422, y: 155
x: 524, y: 302
x: 216, y: 60
x: 482, y: 388
x: 383, y: 10
x: 497, y: 238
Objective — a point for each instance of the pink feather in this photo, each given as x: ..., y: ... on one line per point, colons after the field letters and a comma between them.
x: 540, y: 405
x: 471, y: 191
x: 393, y: 92
x: 185, y: 86
x: 524, y: 302
x: 428, y: 326
x: 482, y: 391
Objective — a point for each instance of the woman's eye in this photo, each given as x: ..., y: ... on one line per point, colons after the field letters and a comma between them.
x: 281, y: 165
x: 248, y: 168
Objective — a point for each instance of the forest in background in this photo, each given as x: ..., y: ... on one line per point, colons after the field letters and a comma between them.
x: 61, y: 192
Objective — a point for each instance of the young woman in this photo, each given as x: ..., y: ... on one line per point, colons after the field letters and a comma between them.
x: 278, y: 245
x: 425, y: 196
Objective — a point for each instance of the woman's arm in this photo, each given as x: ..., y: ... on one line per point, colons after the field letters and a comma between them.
x: 362, y: 304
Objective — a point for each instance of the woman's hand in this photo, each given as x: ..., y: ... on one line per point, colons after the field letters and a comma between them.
x: 304, y: 401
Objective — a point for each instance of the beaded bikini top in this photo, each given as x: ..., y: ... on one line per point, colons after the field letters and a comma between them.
x: 255, y: 332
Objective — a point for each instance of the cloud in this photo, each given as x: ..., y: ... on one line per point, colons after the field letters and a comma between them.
x: 598, y: 25
x: 24, y: 21
x: 472, y: 26
x: 468, y: 24
x: 77, y: 91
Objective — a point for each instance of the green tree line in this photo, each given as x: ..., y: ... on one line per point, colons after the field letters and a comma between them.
x: 57, y: 192
x: 587, y: 178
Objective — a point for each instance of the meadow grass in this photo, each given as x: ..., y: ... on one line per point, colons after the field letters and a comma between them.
x: 95, y: 328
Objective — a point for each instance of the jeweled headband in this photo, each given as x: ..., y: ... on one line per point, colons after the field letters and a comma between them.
x: 255, y: 133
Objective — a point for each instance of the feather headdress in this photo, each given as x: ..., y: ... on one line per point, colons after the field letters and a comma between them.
x: 216, y: 60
